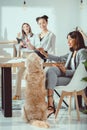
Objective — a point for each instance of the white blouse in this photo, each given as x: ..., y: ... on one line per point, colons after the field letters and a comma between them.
x: 72, y: 64
x: 47, y: 42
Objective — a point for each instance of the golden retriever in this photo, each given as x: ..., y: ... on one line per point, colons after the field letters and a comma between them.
x: 35, y: 107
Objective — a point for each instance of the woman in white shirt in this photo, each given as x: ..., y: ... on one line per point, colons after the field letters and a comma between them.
x: 25, y: 43
x: 46, y: 39
x: 24, y: 40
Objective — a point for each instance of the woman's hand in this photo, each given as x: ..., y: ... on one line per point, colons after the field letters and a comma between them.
x: 41, y: 50
x: 29, y: 45
x: 19, y: 35
x: 60, y: 66
x: 22, y: 44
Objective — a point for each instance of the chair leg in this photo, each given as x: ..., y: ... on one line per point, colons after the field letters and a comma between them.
x: 84, y: 97
x: 77, y: 107
x: 59, y: 105
x: 69, y: 109
x: 59, y: 96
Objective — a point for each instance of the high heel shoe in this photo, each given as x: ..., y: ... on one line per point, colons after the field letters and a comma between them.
x: 51, y: 108
x: 16, y: 97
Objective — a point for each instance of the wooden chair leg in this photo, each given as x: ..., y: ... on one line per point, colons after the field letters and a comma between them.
x: 59, y: 97
x: 59, y: 105
x: 69, y: 109
x: 77, y: 107
x: 84, y: 97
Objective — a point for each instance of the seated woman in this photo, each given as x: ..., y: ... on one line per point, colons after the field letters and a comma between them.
x: 77, y: 54
x: 26, y: 41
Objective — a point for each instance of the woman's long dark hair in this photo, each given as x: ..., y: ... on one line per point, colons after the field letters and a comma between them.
x: 30, y: 30
x: 79, y: 40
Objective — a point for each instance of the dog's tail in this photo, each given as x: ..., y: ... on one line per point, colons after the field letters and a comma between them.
x: 39, y: 123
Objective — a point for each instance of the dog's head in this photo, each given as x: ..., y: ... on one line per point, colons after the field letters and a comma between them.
x: 34, y: 63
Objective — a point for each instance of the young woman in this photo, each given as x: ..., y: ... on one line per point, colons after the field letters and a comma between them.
x: 26, y: 41
x: 77, y: 54
x: 45, y: 39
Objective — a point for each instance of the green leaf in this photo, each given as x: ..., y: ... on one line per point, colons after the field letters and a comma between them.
x: 85, y: 63
x: 84, y: 79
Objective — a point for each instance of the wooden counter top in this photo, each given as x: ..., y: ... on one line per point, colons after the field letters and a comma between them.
x: 20, y: 62
x: 12, y: 62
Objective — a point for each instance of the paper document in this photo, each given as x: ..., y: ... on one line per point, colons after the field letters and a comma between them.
x: 18, y: 60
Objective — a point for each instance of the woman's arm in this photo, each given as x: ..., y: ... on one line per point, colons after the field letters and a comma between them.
x: 31, y: 43
x: 50, y: 47
x: 30, y: 46
x: 52, y: 57
x: 58, y: 58
x: 82, y: 55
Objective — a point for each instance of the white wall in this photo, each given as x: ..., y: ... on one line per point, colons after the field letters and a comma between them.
x: 63, y: 18
x: 67, y: 15
x: 13, y: 23
x: 83, y: 17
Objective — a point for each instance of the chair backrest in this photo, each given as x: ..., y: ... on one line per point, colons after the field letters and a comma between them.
x: 76, y: 82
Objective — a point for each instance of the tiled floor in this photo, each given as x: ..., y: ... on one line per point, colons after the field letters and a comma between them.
x: 63, y: 122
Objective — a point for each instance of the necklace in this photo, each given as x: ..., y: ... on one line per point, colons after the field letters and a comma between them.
x: 42, y: 34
